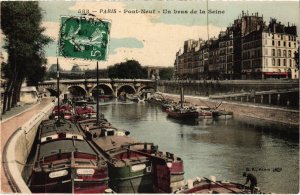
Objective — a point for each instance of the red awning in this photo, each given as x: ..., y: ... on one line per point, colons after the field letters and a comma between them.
x: 276, y: 73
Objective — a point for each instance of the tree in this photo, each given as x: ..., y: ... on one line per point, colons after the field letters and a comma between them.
x: 166, y: 73
x: 24, y: 43
x: 131, y: 69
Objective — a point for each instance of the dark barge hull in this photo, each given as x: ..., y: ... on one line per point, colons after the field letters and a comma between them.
x: 182, y: 116
x: 131, y: 166
x: 215, y: 187
x: 65, y: 163
x: 138, y: 184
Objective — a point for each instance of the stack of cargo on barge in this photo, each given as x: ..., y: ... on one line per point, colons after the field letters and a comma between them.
x: 65, y: 111
x: 65, y: 163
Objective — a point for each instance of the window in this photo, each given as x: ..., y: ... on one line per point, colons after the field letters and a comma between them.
x: 290, y: 53
x: 289, y: 44
x: 284, y: 53
x: 273, y: 62
x: 278, y: 43
x: 281, y: 37
x: 290, y: 62
x: 284, y: 62
x: 278, y: 52
x: 278, y: 62
x: 273, y: 52
x: 273, y: 43
x: 284, y: 43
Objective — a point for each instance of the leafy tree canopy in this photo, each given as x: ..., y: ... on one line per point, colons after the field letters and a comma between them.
x: 24, y: 41
x: 131, y: 69
x: 166, y: 73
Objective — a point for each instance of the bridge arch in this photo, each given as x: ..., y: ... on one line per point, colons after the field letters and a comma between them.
x: 146, y: 89
x: 51, y: 91
x: 104, y: 89
x: 126, y: 88
x: 76, y: 90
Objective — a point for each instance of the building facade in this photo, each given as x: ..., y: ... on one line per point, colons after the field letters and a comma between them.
x: 248, y: 49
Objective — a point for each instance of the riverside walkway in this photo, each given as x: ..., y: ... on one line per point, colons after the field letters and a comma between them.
x: 10, y: 123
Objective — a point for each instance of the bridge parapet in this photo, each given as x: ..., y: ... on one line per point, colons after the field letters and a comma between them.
x: 88, y: 85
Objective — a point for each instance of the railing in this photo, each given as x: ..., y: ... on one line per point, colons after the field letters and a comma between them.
x: 95, y: 80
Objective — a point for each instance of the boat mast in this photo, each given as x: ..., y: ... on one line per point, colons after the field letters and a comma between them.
x: 57, y: 78
x: 97, y: 95
x: 181, y: 97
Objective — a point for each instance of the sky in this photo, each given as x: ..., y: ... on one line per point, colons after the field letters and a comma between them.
x: 154, y: 38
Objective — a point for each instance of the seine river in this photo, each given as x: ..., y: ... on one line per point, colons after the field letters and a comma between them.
x: 224, y: 148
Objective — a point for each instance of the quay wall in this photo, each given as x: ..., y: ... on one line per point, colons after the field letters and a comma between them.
x: 284, y: 116
x: 19, y: 147
x: 215, y: 87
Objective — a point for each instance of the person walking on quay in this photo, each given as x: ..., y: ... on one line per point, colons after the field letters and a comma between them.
x: 87, y: 128
x: 253, y: 181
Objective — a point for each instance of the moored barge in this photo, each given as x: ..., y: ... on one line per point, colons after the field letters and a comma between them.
x: 182, y: 113
x: 211, y: 186
x: 65, y: 163
x: 134, y: 167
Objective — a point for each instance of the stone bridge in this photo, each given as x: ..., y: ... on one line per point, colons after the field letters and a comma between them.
x: 88, y: 87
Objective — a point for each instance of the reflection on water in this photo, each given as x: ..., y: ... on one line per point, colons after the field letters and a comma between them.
x: 222, y: 148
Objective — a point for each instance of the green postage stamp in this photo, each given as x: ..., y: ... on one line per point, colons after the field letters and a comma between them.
x: 84, y: 37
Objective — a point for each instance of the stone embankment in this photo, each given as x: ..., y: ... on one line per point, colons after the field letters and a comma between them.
x: 18, y: 138
x: 272, y: 114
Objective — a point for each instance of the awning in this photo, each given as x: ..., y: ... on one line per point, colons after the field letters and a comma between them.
x: 276, y: 73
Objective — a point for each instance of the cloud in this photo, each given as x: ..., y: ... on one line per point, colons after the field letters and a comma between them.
x: 124, y: 42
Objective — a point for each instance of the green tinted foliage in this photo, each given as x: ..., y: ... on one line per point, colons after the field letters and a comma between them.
x: 166, y: 73
x: 24, y: 41
x: 131, y: 69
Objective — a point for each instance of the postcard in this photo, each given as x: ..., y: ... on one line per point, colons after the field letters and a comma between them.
x: 151, y: 96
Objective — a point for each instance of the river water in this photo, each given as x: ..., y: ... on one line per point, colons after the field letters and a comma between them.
x: 223, y: 148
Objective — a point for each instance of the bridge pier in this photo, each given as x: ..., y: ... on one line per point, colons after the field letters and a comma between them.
x: 115, y: 89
